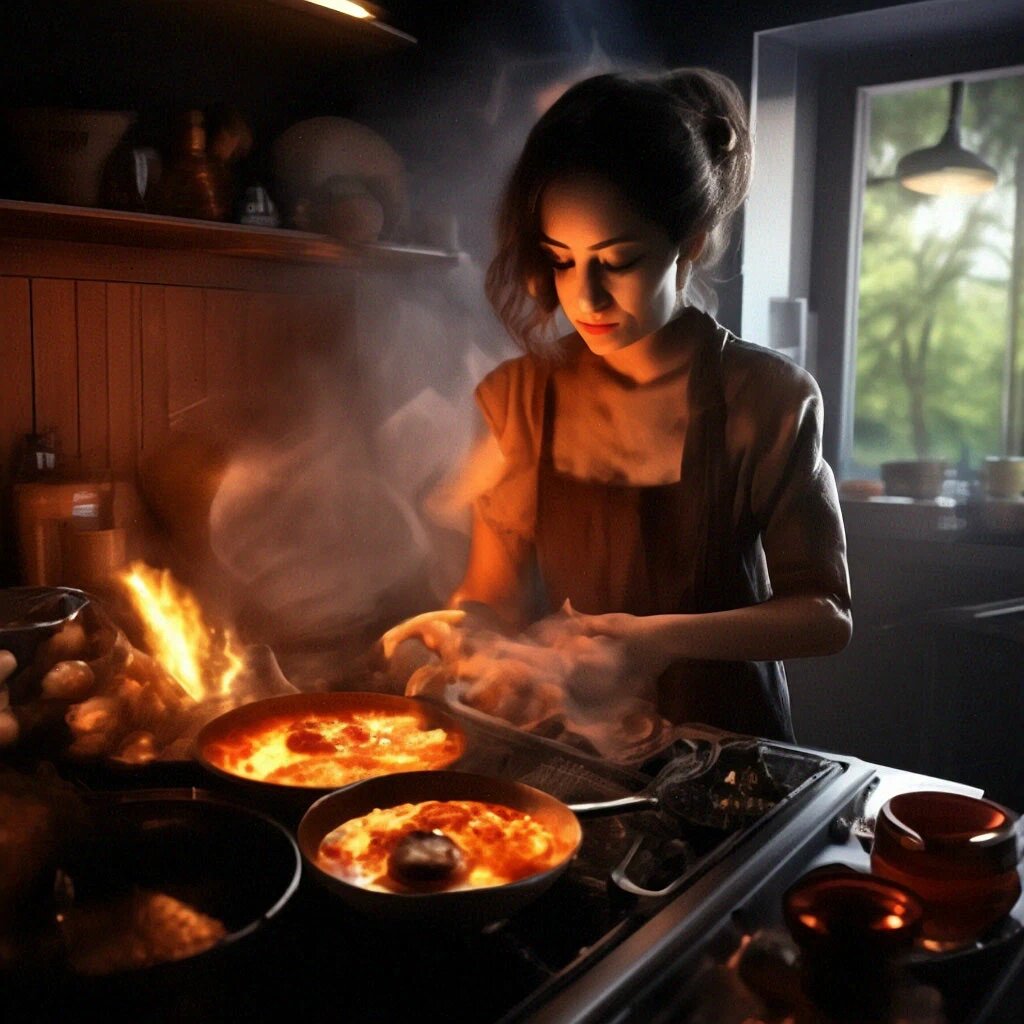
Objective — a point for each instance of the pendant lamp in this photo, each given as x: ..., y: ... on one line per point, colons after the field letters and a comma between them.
x: 947, y: 168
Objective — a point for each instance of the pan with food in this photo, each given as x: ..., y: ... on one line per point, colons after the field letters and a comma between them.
x: 449, y: 848
x: 142, y: 899
x: 468, y: 849
x: 307, y: 744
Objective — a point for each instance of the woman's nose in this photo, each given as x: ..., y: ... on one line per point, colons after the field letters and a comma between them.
x: 592, y: 295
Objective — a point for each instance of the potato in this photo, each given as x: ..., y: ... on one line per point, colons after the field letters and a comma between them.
x: 9, y: 728
x: 69, y: 680
x: 69, y: 642
x: 95, y: 715
x: 137, y: 748
x: 8, y: 663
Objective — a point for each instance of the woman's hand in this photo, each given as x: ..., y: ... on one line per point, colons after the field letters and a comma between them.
x: 638, y: 639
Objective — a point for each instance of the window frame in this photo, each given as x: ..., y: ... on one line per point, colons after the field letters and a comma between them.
x: 810, y: 97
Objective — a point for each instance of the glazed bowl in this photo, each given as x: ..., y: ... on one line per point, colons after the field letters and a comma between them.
x: 957, y: 853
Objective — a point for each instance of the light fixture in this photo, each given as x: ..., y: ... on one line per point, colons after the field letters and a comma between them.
x: 947, y: 168
x: 353, y: 10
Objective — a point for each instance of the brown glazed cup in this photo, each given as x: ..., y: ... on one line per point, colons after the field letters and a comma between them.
x: 836, y: 911
x: 957, y: 853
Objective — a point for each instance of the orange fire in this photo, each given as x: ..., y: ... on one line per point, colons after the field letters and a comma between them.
x: 205, y: 661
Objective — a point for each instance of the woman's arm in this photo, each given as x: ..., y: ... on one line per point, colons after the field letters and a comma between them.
x: 496, y: 573
x: 792, y: 626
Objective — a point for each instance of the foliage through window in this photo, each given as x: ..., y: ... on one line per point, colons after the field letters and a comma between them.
x: 940, y: 357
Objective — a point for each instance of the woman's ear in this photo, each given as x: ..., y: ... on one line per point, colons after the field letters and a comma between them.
x: 688, y: 255
x: 696, y: 247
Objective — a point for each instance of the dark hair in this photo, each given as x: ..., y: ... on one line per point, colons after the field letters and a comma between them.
x: 676, y: 145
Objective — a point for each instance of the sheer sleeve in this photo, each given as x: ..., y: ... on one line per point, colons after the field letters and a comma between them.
x: 792, y: 491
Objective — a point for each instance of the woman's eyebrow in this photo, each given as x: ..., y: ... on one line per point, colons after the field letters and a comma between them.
x: 617, y: 240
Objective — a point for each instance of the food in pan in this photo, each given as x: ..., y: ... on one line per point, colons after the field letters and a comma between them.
x: 331, y: 749
x: 440, y: 845
x: 140, y: 929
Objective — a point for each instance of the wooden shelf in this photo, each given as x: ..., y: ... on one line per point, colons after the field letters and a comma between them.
x: 54, y: 222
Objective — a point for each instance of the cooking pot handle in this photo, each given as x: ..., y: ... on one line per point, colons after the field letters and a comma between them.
x: 623, y: 805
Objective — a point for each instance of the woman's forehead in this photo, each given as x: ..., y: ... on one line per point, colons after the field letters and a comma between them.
x: 587, y: 210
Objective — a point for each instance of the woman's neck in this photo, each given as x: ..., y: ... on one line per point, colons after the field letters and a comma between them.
x: 665, y: 351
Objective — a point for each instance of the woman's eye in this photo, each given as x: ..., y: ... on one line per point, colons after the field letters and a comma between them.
x: 557, y: 264
x: 616, y: 268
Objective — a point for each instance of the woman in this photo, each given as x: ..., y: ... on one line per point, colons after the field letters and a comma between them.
x: 664, y: 476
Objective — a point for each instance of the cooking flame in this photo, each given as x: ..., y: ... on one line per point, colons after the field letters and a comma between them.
x: 205, y: 661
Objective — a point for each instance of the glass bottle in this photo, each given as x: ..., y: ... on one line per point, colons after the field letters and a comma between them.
x: 193, y: 185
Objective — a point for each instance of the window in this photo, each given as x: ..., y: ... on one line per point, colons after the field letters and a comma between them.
x: 938, y: 347
x: 818, y: 94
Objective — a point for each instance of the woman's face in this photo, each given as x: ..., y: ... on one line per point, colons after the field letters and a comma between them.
x: 615, y: 272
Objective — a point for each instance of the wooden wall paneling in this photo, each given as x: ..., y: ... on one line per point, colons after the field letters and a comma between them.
x: 124, y: 377
x: 15, y: 402
x: 16, y: 378
x: 93, y: 380
x: 264, y: 340
x: 55, y: 364
x: 153, y: 346
x: 224, y: 328
x: 186, y: 352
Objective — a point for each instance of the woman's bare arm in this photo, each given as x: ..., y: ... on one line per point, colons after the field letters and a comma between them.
x: 496, y: 573
x: 791, y: 626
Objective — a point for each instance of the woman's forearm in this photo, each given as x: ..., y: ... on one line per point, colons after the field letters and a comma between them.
x: 797, y: 626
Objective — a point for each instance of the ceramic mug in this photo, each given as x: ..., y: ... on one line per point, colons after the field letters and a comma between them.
x: 1003, y: 476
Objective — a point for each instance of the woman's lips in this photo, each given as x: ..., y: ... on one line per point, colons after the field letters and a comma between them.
x: 595, y: 328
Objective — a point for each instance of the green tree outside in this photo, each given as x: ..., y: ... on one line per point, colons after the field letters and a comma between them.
x: 934, y: 309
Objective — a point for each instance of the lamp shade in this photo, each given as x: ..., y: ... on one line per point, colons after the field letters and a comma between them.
x: 947, y: 168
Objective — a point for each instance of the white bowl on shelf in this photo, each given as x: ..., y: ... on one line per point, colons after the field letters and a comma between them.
x: 66, y: 150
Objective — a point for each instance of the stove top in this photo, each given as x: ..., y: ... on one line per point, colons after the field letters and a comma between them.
x: 640, y: 877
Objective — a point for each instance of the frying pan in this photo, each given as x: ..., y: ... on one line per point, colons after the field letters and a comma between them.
x: 457, y: 908
x: 667, y: 793
x: 312, y: 704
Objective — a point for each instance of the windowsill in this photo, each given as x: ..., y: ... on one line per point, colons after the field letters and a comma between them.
x: 940, y: 520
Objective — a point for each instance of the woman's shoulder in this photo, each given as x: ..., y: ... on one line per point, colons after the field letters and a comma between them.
x: 511, y: 398
x: 753, y: 373
x: 524, y: 378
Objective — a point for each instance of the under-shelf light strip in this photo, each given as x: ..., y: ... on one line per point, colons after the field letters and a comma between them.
x: 353, y: 10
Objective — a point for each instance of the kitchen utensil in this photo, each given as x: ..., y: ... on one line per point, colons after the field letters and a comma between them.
x: 668, y: 792
x: 66, y: 150
x: 175, y: 853
x: 455, y: 908
x: 957, y: 853
x: 89, y: 558
x: 40, y: 507
x: 31, y: 615
x: 299, y: 706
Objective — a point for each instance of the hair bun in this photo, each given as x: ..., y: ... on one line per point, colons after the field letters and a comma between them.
x: 721, y: 135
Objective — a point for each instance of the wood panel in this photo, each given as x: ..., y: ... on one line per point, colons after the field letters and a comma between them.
x: 124, y: 377
x: 93, y: 379
x: 224, y: 333
x: 155, y: 401
x: 15, y: 398
x: 55, y: 362
x: 16, y: 378
x: 186, y: 351
x: 113, y: 367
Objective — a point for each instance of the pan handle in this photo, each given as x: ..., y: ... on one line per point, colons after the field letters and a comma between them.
x: 623, y: 805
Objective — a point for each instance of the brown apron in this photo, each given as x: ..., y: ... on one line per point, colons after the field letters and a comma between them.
x: 666, y: 549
